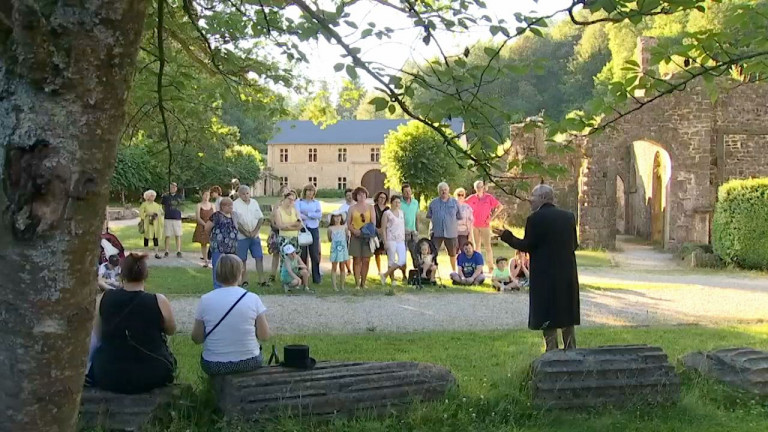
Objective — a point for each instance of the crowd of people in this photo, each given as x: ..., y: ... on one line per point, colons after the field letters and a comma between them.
x: 129, y: 349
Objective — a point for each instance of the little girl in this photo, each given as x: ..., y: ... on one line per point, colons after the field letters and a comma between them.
x: 427, y: 264
x: 338, y: 235
x: 293, y: 273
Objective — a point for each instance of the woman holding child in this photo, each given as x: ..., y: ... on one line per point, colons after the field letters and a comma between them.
x: 361, y: 214
x: 131, y: 354
x: 225, y: 321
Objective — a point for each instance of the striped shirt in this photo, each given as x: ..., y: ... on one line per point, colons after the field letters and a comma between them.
x: 445, y: 216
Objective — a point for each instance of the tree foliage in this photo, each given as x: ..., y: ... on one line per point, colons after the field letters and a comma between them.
x: 409, y: 156
x: 740, y: 225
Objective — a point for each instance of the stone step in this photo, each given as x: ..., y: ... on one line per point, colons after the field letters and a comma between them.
x: 743, y: 368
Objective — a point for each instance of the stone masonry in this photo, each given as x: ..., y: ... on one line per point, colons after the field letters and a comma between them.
x: 705, y: 144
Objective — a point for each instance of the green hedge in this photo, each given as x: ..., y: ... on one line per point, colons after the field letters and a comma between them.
x: 330, y: 193
x: 740, y: 226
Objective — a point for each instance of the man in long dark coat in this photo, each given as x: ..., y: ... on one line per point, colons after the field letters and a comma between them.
x: 550, y: 239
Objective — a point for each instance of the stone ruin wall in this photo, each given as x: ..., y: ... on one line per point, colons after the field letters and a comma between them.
x: 707, y: 144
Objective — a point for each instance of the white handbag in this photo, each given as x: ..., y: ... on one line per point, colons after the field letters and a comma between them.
x: 305, y: 237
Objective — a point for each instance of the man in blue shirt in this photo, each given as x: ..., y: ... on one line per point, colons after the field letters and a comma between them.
x: 444, y: 213
x: 171, y: 203
x: 470, y: 267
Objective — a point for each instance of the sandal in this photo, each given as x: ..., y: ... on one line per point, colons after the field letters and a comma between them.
x: 205, y: 265
x: 158, y: 256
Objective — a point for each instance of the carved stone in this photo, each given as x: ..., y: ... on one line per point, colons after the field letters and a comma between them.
x: 744, y: 368
x: 611, y: 375
x: 330, y: 389
x: 113, y: 411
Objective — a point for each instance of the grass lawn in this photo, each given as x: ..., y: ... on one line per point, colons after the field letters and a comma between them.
x: 491, y: 368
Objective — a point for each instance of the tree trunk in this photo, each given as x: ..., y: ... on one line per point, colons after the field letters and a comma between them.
x: 65, y: 69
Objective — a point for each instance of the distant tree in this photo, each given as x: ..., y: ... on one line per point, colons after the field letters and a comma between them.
x: 350, y: 96
x: 319, y: 108
x: 414, y: 153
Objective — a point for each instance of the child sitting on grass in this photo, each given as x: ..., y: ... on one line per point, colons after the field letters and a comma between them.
x: 518, y: 269
x: 294, y: 272
x: 501, y: 279
x: 109, y: 274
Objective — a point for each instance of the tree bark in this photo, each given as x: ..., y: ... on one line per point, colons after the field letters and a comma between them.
x: 65, y: 69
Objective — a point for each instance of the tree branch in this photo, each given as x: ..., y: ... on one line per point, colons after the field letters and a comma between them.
x: 160, y: 71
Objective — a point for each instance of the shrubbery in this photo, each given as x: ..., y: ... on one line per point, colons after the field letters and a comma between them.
x: 740, y: 226
x: 330, y: 193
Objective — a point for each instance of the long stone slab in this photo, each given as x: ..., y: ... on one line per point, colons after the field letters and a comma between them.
x: 610, y: 375
x: 743, y: 368
x: 113, y: 411
x: 330, y: 389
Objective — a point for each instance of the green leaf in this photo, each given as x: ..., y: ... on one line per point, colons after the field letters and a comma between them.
x: 392, y: 108
x: 379, y: 103
x: 490, y: 51
x: 351, y: 72
x: 338, y: 67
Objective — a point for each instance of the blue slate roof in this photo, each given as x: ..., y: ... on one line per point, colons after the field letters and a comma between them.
x: 341, y: 132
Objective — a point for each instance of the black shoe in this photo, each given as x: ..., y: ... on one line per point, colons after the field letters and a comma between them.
x: 178, y: 255
x: 166, y: 255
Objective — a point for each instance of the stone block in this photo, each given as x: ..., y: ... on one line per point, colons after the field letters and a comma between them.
x: 113, y: 411
x: 610, y: 375
x: 743, y: 368
x: 330, y: 389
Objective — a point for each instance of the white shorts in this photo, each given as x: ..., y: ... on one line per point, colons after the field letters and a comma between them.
x: 396, y: 249
x: 172, y: 228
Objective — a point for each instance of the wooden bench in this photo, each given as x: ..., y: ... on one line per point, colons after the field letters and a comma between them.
x: 113, y: 411
x: 330, y: 389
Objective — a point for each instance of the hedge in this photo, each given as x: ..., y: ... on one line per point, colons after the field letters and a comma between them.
x: 740, y: 226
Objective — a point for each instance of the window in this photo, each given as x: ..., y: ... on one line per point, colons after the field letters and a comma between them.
x: 342, y: 155
x: 313, y: 155
x: 313, y: 180
x: 283, y: 181
x: 341, y: 184
x: 375, y: 154
x: 283, y: 155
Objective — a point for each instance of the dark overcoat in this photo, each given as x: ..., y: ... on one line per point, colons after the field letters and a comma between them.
x: 550, y: 239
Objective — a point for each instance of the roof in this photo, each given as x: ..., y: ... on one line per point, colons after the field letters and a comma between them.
x: 341, y: 132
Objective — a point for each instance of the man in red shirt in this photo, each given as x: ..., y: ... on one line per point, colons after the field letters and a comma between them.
x: 485, y: 207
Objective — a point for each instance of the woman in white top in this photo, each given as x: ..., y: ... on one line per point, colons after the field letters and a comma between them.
x: 393, y: 225
x: 225, y: 320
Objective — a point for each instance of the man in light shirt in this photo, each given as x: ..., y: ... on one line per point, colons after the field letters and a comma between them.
x: 249, y: 220
x: 410, y: 207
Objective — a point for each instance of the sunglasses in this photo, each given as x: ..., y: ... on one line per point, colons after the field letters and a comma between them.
x: 461, y: 195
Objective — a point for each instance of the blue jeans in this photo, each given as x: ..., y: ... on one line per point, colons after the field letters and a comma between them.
x: 215, y: 255
x: 313, y: 251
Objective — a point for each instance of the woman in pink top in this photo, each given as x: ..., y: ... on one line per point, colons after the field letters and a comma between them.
x: 484, y: 207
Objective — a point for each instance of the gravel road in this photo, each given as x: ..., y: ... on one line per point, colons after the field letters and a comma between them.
x: 697, y: 304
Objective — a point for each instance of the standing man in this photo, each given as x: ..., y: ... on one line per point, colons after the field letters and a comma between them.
x: 484, y: 208
x: 550, y: 239
x: 249, y: 220
x: 444, y: 213
x: 410, y: 207
x: 171, y: 203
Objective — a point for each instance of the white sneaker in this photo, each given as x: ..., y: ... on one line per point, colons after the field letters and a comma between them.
x: 383, y: 278
x: 392, y: 282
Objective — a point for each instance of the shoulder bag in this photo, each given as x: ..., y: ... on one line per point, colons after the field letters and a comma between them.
x: 208, y: 333
x: 305, y: 237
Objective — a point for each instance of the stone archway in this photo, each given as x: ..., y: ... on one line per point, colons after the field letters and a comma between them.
x: 373, y: 181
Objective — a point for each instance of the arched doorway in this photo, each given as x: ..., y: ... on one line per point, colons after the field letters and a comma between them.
x: 658, y: 199
x: 373, y: 181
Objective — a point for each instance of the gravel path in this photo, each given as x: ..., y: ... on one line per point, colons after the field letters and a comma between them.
x: 700, y: 304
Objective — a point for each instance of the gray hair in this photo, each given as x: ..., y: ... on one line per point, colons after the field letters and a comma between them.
x: 243, y: 188
x: 442, y: 185
x: 149, y: 193
x: 544, y: 193
x: 477, y: 183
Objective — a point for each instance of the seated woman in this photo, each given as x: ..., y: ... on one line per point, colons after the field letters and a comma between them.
x: 131, y: 327
x: 225, y: 320
x: 518, y: 269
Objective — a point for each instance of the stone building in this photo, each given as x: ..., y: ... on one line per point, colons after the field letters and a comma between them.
x: 344, y: 154
x: 655, y: 172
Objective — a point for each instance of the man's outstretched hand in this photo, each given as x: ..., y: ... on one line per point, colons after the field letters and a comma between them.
x: 498, y: 231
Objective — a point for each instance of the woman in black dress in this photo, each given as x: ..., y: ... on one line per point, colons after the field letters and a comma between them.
x: 380, y: 205
x: 131, y: 326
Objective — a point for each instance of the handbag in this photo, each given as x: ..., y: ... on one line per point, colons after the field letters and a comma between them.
x: 368, y: 230
x: 305, y: 237
x: 141, y: 226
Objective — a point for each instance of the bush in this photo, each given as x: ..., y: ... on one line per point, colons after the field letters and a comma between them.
x: 740, y: 226
x: 330, y: 193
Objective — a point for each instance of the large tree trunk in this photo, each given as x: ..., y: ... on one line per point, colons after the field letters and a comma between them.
x: 65, y: 69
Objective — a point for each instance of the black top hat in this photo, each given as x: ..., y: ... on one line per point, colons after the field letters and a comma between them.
x: 297, y: 356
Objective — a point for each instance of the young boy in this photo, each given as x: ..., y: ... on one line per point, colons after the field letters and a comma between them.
x: 294, y: 272
x: 501, y: 279
x: 109, y: 274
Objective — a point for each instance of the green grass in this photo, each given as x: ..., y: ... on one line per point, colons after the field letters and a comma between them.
x: 491, y: 369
